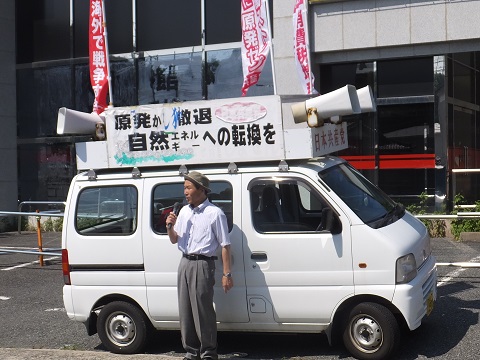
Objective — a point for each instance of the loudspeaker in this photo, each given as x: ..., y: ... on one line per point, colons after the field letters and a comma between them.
x: 77, y: 122
x: 343, y: 101
x: 365, y: 97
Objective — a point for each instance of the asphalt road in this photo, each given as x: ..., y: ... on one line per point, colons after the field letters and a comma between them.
x: 35, y: 326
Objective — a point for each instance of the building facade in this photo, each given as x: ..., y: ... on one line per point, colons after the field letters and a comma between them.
x: 421, y: 58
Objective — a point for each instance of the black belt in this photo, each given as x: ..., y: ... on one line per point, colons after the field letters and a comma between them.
x: 199, y: 257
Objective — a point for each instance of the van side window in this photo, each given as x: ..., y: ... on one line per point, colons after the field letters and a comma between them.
x: 286, y: 205
x: 107, y: 210
x: 166, y: 195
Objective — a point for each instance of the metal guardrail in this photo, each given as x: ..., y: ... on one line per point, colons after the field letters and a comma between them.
x: 30, y: 202
x: 49, y: 252
x: 40, y: 252
x: 460, y: 215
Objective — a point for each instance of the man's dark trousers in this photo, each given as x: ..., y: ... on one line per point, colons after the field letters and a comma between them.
x: 198, y: 323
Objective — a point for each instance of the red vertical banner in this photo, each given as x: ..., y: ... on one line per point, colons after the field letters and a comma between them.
x: 302, y: 47
x: 98, y: 56
x: 255, y: 41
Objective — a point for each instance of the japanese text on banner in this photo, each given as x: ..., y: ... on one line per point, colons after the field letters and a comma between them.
x: 301, y: 47
x: 165, y: 134
x: 98, y: 57
x: 255, y: 41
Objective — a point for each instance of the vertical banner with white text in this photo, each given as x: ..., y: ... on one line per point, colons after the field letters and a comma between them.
x: 98, y: 56
x: 301, y: 47
x: 255, y: 41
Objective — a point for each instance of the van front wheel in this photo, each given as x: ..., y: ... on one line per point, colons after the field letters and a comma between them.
x: 371, y: 332
x: 122, y: 328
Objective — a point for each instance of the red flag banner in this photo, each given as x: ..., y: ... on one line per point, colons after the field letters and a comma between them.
x: 301, y: 45
x: 98, y: 57
x: 255, y: 41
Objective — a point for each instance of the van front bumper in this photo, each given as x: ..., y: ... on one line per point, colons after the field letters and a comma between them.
x: 416, y: 299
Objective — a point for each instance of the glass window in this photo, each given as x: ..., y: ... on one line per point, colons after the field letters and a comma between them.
x: 361, y: 135
x: 463, y: 82
x: 168, y: 24
x: 405, y: 185
x: 223, y: 23
x: 119, y: 26
x: 45, y: 171
x: 165, y: 196
x: 224, y: 76
x: 123, y: 83
x: 41, y: 92
x: 123, y: 80
x: 406, y: 129
x: 333, y: 77
x: 107, y: 210
x: 365, y: 199
x: 405, y: 77
x: 286, y: 205
x: 43, y: 30
x: 170, y: 78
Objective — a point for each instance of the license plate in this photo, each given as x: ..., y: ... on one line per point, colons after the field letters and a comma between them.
x: 430, y: 303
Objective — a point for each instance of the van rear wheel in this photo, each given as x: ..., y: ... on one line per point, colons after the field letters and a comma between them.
x: 371, y: 332
x: 122, y: 328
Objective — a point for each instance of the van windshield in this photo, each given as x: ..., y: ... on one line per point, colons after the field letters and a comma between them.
x: 370, y: 203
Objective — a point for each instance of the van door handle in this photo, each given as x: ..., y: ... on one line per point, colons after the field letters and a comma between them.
x: 259, y: 256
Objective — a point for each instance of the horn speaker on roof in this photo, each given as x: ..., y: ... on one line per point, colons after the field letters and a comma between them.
x: 77, y: 122
x: 344, y: 101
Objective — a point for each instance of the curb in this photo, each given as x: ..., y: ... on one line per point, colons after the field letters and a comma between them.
x: 48, y: 354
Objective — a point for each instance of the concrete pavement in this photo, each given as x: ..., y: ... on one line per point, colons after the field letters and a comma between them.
x: 45, y: 354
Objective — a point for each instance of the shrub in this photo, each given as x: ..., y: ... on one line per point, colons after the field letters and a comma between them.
x: 52, y: 224
x: 435, y: 227
x: 464, y: 225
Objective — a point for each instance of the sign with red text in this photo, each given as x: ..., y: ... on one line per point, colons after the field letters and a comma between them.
x: 97, y: 57
x: 255, y: 41
x: 301, y: 46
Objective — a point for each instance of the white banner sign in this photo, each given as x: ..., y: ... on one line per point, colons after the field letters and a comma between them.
x: 216, y: 131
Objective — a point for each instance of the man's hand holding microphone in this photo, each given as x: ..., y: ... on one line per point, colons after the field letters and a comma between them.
x: 172, y: 219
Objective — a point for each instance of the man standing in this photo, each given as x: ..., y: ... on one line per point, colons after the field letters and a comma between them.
x: 198, y: 231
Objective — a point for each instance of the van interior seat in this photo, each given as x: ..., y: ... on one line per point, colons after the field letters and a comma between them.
x: 270, y: 212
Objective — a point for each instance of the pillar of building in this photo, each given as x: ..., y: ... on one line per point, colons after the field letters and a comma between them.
x: 8, y: 123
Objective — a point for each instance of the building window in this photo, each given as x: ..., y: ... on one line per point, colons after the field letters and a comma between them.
x: 168, y: 24
x: 43, y: 30
x: 170, y: 78
x: 118, y: 14
x: 405, y: 77
x: 222, y: 21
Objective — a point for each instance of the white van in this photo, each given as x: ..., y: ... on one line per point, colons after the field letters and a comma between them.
x: 316, y: 247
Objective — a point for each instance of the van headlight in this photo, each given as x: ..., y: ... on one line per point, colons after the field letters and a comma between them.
x: 406, y: 269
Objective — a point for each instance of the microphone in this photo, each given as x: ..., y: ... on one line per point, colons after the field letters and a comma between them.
x: 176, y: 209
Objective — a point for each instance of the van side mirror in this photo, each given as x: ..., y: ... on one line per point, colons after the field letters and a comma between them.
x: 330, y: 222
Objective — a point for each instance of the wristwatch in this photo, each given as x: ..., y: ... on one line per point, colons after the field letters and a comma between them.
x: 228, y: 275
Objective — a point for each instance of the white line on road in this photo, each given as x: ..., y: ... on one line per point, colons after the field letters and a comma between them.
x: 4, y: 298
x: 451, y: 275
x: 27, y: 264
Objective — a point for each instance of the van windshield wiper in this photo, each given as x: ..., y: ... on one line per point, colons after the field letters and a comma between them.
x: 394, y: 214
x: 391, y: 216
